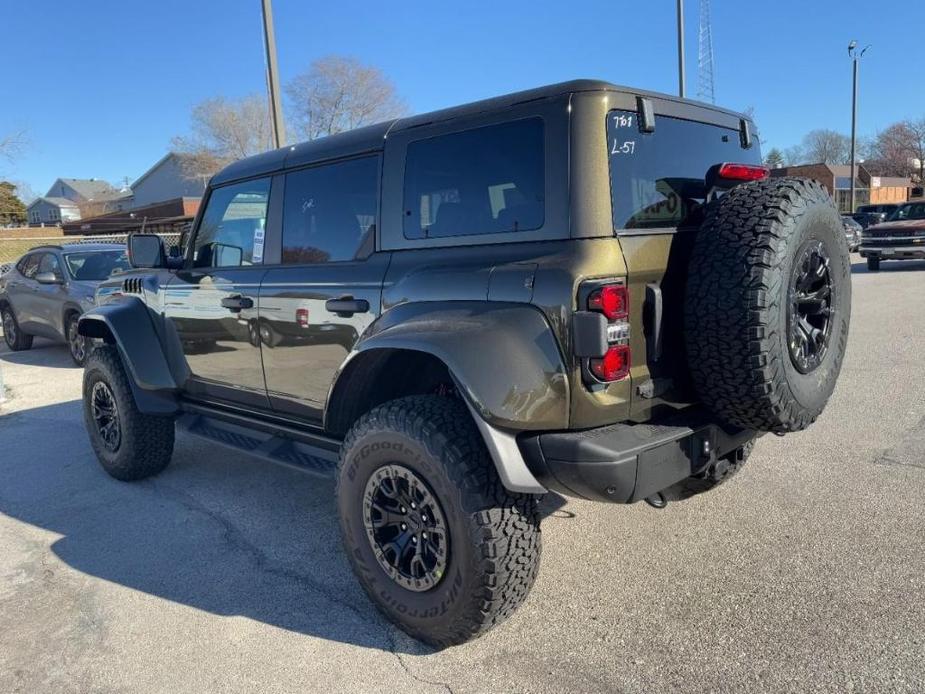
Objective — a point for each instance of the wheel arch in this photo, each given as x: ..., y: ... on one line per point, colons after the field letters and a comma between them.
x: 502, y: 359
x: 127, y: 325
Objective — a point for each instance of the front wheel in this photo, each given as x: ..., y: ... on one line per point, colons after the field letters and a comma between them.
x: 438, y: 543
x: 77, y: 344
x: 130, y: 445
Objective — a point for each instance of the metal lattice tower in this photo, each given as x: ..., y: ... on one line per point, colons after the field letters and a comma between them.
x: 705, y: 90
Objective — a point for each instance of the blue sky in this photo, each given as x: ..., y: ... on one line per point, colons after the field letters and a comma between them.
x: 103, y: 86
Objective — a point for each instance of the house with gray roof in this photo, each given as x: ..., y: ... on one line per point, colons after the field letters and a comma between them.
x: 164, y: 181
x: 52, y: 210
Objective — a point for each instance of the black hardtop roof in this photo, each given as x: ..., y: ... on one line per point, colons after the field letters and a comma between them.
x: 372, y: 138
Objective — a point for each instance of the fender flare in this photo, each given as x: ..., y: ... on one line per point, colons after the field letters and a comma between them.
x: 128, y: 323
x: 504, y: 359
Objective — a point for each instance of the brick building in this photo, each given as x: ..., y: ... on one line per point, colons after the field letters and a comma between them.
x: 837, y: 180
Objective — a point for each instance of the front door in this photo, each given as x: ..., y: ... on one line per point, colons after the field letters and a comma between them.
x: 327, y: 290
x: 48, y: 299
x: 212, y: 302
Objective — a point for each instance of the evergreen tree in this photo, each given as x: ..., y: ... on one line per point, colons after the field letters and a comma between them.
x: 12, y: 211
x: 774, y: 159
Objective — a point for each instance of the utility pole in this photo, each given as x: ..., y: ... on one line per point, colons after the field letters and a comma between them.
x: 276, y: 107
x: 855, y: 56
x: 705, y: 89
x: 681, y: 48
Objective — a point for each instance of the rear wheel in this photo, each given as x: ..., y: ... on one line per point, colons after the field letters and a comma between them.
x: 130, y: 445
x: 15, y: 338
x: 873, y: 264
x: 438, y: 543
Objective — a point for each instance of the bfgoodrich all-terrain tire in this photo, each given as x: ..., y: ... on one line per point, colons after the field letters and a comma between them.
x: 768, y: 304
x: 438, y: 543
x: 129, y: 445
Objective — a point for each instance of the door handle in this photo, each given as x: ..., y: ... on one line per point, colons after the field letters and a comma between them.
x: 346, y: 306
x: 236, y: 303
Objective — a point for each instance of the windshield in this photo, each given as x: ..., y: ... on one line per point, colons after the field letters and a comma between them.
x: 657, y: 179
x: 94, y: 266
x: 912, y: 211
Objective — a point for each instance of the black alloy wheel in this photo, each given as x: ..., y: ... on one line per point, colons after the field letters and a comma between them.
x: 106, y: 416
x: 812, y: 307
x: 406, y: 527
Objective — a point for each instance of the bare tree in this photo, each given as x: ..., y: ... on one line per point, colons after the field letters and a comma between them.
x: 223, y: 130
x: 826, y: 147
x: 339, y: 93
x: 794, y: 156
x: 12, y: 145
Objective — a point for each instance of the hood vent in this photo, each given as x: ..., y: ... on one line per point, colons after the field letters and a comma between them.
x: 132, y: 285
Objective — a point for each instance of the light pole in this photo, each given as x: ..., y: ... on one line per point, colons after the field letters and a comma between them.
x: 681, y: 48
x: 276, y: 109
x: 855, y: 56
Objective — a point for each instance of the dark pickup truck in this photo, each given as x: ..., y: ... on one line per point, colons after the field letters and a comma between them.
x: 582, y: 288
x: 900, y: 237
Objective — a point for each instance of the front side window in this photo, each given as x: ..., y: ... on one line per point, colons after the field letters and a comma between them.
x: 29, y: 265
x: 330, y: 211
x: 487, y: 180
x: 657, y: 179
x: 49, y: 263
x: 97, y: 265
x: 233, y: 225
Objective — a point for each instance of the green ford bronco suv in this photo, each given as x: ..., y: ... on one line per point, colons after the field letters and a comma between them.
x: 582, y: 288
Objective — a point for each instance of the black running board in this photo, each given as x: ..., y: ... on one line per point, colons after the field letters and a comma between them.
x: 314, y: 454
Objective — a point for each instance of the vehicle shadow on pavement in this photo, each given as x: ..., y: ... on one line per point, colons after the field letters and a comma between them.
x: 42, y: 353
x: 888, y: 266
x: 216, y: 531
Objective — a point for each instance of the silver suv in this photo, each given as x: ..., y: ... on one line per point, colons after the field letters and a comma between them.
x: 50, y: 287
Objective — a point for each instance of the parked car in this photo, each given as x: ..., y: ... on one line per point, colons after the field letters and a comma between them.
x: 900, y: 237
x: 852, y: 232
x: 50, y: 287
x: 581, y: 288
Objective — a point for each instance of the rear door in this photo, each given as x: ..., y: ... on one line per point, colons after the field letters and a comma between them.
x: 20, y: 290
x: 212, y: 302
x: 326, y: 290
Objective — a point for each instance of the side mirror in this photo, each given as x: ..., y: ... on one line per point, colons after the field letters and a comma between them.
x: 48, y: 278
x: 224, y: 255
x: 146, y: 251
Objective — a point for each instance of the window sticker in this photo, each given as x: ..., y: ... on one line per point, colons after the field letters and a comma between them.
x: 258, y: 243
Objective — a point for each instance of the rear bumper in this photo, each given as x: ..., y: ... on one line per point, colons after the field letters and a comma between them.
x: 889, y: 252
x: 625, y: 463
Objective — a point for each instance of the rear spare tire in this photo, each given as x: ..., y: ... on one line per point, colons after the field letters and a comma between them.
x: 768, y: 304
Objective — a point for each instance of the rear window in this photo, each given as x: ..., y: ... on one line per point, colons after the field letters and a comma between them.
x: 486, y: 180
x: 657, y: 178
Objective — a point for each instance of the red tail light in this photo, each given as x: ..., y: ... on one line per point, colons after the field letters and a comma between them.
x: 614, y: 365
x: 742, y: 172
x: 611, y: 300
x: 301, y: 317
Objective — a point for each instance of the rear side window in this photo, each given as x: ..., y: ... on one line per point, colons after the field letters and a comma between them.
x: 657, y: 178
x: 233, y: 225
x: 487, y: 180
x: 330, y: 211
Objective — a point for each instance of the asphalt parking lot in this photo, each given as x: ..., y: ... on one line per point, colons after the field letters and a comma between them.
x: 805, y: 573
